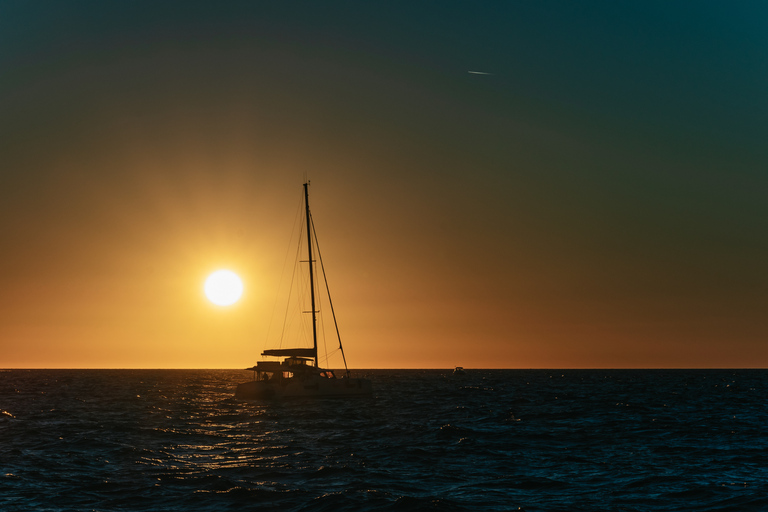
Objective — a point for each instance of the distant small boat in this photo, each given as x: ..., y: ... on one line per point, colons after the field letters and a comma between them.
x: 459, y: 371
x: 299, y: 374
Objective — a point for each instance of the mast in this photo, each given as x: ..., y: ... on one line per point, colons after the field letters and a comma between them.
x: 311, y: 272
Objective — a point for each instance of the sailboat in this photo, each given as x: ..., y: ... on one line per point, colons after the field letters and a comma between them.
x: 297, y: 373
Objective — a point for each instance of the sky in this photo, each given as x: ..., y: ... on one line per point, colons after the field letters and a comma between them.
x: 548, y: 184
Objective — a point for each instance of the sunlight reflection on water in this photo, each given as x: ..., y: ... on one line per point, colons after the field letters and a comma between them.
x: 494, y: 440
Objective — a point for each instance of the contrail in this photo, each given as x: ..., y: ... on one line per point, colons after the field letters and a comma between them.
x: 478, y: 73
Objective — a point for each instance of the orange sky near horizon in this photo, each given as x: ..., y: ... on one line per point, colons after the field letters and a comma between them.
x: 596, y: 201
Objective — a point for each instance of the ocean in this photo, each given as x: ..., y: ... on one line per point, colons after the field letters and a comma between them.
x: 492, y: 440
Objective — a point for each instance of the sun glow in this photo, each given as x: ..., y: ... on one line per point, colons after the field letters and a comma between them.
x: 223, y: 288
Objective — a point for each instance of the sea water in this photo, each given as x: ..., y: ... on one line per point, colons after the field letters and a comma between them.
x: 496, y: 440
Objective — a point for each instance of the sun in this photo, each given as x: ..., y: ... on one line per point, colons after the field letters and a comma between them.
x: 223, y: 288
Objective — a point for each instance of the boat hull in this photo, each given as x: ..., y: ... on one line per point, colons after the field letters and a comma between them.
x: 304, y: 388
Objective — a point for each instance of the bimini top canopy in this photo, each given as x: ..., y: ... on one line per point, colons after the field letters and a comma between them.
x: 290, y: 352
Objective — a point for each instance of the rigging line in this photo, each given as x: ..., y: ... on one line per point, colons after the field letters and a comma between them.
x: 328, y: 356
x: 303, y: 288
x: 320, y: 318
x: 303, y: 291
x: 321, y: 334
x: 328, y: 290
x: 321, y: 327
x: 282, y: 275
x: 297, y: 219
